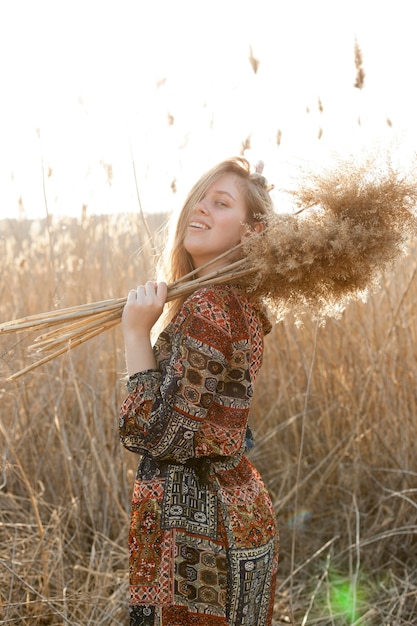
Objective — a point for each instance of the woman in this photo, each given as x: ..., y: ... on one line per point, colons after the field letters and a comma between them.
x: 203, y: 540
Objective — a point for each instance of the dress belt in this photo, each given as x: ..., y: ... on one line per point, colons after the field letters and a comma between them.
x: 201, y: 465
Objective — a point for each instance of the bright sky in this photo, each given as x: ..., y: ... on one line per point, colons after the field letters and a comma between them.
x: 86, y: 85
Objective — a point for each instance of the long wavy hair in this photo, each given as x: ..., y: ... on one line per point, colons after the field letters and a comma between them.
x: 176, y: 261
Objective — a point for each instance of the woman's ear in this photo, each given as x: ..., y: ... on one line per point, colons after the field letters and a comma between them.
x: 256, y: 227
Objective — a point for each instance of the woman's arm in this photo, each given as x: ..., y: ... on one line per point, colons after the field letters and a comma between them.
x: 143, y: 307
x: 199, y: 404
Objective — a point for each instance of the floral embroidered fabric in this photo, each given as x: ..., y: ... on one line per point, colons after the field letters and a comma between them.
x: 203, y: 545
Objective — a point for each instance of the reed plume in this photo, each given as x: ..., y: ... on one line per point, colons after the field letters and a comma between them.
x: 352, y: 222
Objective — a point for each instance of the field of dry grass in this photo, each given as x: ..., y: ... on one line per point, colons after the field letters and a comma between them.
x: 334, y: 418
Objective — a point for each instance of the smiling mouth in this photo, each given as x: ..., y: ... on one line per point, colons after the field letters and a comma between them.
x: 198, y: 225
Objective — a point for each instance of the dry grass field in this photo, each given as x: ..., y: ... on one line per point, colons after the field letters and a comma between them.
x: 334, y: 418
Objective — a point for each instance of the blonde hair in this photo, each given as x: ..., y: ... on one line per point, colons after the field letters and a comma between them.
x: 177, y: 261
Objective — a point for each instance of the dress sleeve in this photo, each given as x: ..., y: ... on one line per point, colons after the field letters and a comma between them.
x: 197, y: 403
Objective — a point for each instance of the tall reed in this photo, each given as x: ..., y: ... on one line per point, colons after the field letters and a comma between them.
x: 334, y: 418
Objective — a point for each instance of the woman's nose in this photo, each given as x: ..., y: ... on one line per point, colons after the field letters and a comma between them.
x: 201, y: 207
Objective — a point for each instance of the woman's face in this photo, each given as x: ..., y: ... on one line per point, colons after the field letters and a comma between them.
x: 217, y: 222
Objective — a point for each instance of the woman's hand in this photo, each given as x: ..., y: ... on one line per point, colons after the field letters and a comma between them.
x: 143, y: 307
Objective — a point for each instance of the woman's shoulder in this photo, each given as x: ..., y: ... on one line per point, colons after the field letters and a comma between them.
x: 226, y: 303
x: 221, y: 296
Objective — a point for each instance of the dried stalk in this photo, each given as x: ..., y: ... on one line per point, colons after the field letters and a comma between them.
x: 76, y: 325
x: 352, y: 224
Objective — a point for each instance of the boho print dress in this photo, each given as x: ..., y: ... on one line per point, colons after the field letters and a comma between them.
x: 203, y: 539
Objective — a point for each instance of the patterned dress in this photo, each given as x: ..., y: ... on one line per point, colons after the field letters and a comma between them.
x: 203, y: 539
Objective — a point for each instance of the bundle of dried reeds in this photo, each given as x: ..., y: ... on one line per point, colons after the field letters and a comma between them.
x: 352, y: 223
x: 75, y: 325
